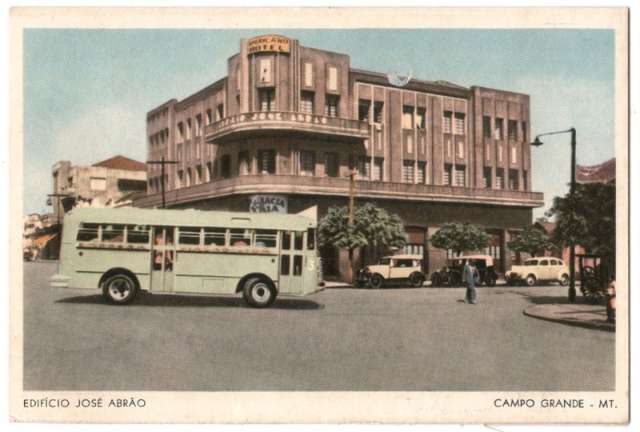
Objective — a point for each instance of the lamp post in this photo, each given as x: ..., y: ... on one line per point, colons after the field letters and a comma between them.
x: 572, y: 189
x: 162, y: 162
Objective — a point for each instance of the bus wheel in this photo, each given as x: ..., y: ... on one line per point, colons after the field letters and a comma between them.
x: 258, y: 293
x: 119, y: 289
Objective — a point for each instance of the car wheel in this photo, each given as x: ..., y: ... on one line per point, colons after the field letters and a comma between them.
x: 120, y: 289
x: 491, y: 281
x: 258, y: 293
x: 564, y: 280
x: 376, y: 281
x: 530, y: 280
x: 455, y: 279
x: 416, y: 280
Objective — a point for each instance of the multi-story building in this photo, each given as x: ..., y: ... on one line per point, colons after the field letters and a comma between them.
x: 284, y: 129
x: 103, y: 184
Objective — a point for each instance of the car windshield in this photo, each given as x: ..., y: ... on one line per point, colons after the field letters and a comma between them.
x: 531, y: 262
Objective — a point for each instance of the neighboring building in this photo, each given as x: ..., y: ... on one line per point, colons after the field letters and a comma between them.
x: 102, y: 184
x: 38, y: 232
x: 601, y: 173
x: 286, y: 126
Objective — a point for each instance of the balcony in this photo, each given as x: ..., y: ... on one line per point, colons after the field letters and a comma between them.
x: 248, y: 124
x: 335, y: 186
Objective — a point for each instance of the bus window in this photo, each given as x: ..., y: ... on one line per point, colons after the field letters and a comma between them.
x: 297, y: 265
x: 88, y: 232
x: 298, y: 240
x: 286, y: 240
x: 138, y: 234
x: 285, y: 262
x: 240, y: 237
x: 113, y: 233
x: 266, y: 238
x: 311, y: 239
x: 189, y: 236
x: 214, y: 236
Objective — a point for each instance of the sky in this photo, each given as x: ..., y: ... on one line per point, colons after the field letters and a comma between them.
x: 87, y: 92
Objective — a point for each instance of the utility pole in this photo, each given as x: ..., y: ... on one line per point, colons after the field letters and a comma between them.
x: 59, y: 197
x: 352, y: 194
x: 162, y: 162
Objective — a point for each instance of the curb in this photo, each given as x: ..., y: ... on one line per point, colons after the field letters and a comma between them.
x: 597, y: 325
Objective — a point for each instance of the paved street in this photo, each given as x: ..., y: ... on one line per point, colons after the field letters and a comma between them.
x: 338, y: 339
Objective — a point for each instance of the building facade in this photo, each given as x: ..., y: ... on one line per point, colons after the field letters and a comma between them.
x: 288, y: 124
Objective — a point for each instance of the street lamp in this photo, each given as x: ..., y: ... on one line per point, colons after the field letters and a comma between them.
x: 572, y: 189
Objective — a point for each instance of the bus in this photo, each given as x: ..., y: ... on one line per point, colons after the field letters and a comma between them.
x: 126, y: 250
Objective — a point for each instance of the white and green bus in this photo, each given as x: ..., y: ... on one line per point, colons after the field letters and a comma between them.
x: 123, y: 251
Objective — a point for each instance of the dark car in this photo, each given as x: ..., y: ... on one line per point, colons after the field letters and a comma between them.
x: 451, y: 275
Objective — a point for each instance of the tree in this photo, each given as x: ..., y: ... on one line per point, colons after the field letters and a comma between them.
x: 589, y: 220
x: 372, y: 226
x: 460, y: 237
x: 531, y: 241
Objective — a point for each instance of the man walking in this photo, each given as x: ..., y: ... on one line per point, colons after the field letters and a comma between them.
x: 468, y: 276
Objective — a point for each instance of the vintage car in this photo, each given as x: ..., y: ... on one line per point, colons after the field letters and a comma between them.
x: 396, y: 268
x: 538, y: 269
x: 451, y: 275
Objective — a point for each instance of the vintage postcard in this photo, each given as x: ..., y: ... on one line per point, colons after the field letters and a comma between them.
x: 319, y: 215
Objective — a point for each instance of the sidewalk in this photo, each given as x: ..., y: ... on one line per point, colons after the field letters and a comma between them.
x: 577, y: 314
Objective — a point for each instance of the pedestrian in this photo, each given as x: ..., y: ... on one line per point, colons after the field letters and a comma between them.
x: 468, y: 276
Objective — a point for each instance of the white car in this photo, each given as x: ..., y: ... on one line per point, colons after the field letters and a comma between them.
x: 538, y: 269
x: 396, y: 268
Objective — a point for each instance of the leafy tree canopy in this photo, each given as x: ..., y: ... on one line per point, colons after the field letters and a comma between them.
x: 531, y: 241
x: 460, y: 237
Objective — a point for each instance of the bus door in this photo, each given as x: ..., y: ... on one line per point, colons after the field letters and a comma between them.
x: 291, y: 262
x: 163, y: 255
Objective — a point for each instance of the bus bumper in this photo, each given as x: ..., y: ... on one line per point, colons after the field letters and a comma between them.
x: 59, y: 281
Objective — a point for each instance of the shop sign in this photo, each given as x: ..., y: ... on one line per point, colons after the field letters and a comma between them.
x: 268, y: 204
x: 268, y: 43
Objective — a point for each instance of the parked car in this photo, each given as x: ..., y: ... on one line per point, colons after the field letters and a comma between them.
x: 451, y: 274
x: 538, y: 269
x: 396, y: 268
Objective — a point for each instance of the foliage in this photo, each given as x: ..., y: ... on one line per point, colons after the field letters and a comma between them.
x: 460, y: 237
x: 531, y: 241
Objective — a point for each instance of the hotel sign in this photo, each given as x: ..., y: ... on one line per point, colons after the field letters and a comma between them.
x: 268, y: 204
x: 268, y: 43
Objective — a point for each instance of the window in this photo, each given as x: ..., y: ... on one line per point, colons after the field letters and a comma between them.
x: 298, y: 240
x: 220, y: 111
x: 311, y: 239
x: 448, y: 168
x: 422, y: 172
x: 266, y: 162
x: 363, y: 168
x: 421, y: 115
x: 98, y: 183
x: 88, y: 232
x: 407, y: 117
x: 240, y: 237
x: 199, y: 125
x: 499, y: 178
x: 188, y: 129
x: 513, y: 179
x: 308, y: 74
x: 225, y: 166
x: 514, y: 154
x: 297, y: 265
x: 332, y: 80
x: 214, y: 236
x: 460, y: 175
x: 512, y: 130
x: 524, y: 131
x: 331, y: 164
x: 460, y: 147
x: 306, y: 102
x: 307, y: 163
x: 500, y: 153
x: 285, y: 264
x: 544, y: 262
x: 189, y: 236
x: 209, y: 116
x: 377, y: 169
x: 266, y: 238
x: 180, y: 178
x: 459, y: 124
x: 486, y: 126
x: 407, y: 171
x: 189, y: 177
x: 198, y: 174
x: 180, y: 131
x: 265, y: 71
x: 286, y: 240
x: 363, y: 110
x: 486, y: 178
x: 267, y: 99
x: 331, y: 106
x: 446, y: 122
x: 243, y: 163
x: 113, y: 233
x: 499, y: 129
x: 378, y: 112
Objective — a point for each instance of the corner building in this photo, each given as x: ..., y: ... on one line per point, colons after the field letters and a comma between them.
x: 289, y: 123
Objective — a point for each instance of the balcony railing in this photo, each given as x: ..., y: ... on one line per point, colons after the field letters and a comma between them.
x: 336, y: 186
x: 290, y: 121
